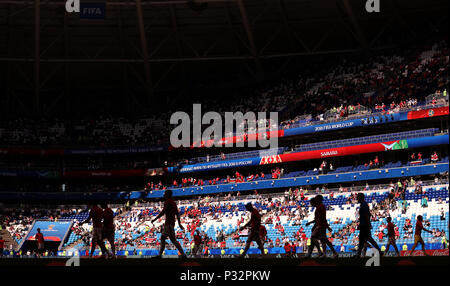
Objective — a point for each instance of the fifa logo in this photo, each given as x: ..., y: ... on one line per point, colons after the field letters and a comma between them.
x: 73, y: 6
x: 373, y: 6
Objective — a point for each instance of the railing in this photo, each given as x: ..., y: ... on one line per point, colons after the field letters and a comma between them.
x: 440, y: 98
x: 370, y: 114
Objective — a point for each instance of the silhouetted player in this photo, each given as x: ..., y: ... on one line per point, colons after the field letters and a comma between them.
x: 108, y: 231
x: 171, y: 211
x: 255, y: 224
x: 197, y: 243
x: 418, y: 235
x: 319, y: 229
x: 2, y: 245
x: 365, y: 226
x: 391, y: 236
x: 40, y: 242
x: 322, y: 226
x: 263, y: 233
x: 314, y: 238
x: 96, y: 214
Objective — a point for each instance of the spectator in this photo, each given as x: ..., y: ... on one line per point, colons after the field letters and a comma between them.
x: 434, y: 157
x: 425, y: 202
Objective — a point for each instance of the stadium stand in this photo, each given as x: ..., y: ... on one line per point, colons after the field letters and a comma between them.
x: 284, y: 216
x: 380, y: 86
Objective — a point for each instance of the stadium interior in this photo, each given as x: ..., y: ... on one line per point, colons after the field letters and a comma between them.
x: 85, y: 105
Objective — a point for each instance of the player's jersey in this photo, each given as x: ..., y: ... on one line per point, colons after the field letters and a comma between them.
x: 419, y: 227
x: 96, y: 214
x: 255, y: 220
x: 39, y: 237
x: 108, y: 219
x: 391, y: 230
x: 2, y: 243
x: 364, y: 216
x: 262, y: 231
x: 197, y: 239
x: 320, y: 216
x: 170, y: 210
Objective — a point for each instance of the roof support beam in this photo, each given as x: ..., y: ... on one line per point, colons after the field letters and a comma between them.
x: 67, y: 93
x: 288, y: 27
x: 194, y: 59
x: 148, y: 78
x: 355, y: 24
x: 37, y: 55
x: 250, y: 38
x: 117, y: 3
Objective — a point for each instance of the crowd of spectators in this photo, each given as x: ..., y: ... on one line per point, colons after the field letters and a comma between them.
x: 133, y: 227
x: 378, y: 84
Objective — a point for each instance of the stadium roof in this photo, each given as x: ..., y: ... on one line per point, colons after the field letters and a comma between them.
x: 146, y: 50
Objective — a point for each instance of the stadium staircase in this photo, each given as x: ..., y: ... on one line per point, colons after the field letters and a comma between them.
x: 9, y: 240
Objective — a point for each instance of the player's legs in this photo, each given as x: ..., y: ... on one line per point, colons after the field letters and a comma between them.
x: 396, y: 248
x: 373, y: 243
x: 110, y: 238
x: 364, y: 250
x: 102, y: 248
x: 253, y: 236
x: 392, y: 241
x: 362, y: 241
x: 195, y: 250
x: 41, y: 249
x: 97, y: 239
x: 261, y: 246
x: 247, y: 247
x: 314, y: 243
x: 113, y: 246
x: 177, y: 244
x: 101, y: 243
x: 423, y: 246
x: 326, y: 242
x: 414, y: 247
x: 387, y: 247
x: 417, y: 239
x: 169, y: 230
x: 163, y: 245
x: 93, y: 244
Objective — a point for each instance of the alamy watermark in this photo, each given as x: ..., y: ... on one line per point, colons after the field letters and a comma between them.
x: 73, y: 6
x: 73, y: 261
x: 251, y: 128
x: 373, y: 6
x: 374, y: 259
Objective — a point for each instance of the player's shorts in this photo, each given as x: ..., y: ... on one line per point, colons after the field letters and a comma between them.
x: 168, y: 230
x: 392, y: 240
x: 108, y: 233
x: 418, y: 238
x: 253, y: 236
x: 364, y: 233
x: 97, y: 234
x: 319, y: 232
x: 40, y: 246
